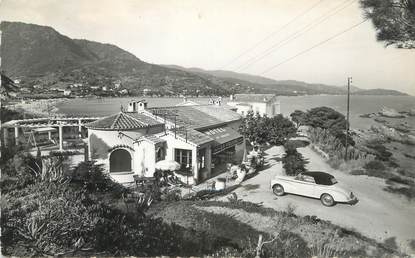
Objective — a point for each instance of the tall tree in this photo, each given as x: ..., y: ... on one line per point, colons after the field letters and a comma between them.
x: 274, y: 130
x: 298, y: 117
x: 249, y: 126
x: 330, y: 119
x: 394, y: 21
x: 280, y: 129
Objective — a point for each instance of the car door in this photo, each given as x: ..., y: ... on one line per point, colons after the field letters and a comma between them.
x: 305, y: 185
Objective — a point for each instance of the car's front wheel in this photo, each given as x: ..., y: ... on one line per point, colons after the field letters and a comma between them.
x: 327, y: 200
x: 278, y: 190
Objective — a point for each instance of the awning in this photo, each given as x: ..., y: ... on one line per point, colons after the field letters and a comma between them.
x: 223, y: 138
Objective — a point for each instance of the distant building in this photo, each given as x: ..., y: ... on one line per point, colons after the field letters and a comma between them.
x: 104, y: 88
x: 67, y: 92
x: 217, y: 101
x: 76, y: 85
x: 146, y: 91
x: 123, y: 92
x: 201, y: 138
x: 264, y: 104
x: 117, y: 84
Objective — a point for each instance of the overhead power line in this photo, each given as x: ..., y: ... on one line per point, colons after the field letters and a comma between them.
x: 271, y: 35
x: 296, y: 34
x: 314, y: 46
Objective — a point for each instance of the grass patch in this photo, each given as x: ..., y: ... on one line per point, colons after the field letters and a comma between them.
x: 311, y: 227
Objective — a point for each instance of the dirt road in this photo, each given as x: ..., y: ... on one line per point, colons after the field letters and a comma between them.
x: 379, y: 214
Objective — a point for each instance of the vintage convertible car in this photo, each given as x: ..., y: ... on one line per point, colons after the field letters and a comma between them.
x: 319, y: 185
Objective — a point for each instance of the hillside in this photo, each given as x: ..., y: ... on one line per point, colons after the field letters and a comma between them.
x: 268, y: 84
x: 39, y: 55
x: 381, y: 92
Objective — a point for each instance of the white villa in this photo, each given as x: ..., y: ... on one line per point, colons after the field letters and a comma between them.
x: 264, y: 104
x: 202, y: 138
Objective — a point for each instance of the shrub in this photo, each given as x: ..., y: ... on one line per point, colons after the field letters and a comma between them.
x: 400, y: 180
x: 91, y: 176
x: 379, y: 150
x: 357, y: 172
x: 375, y: 165
x: 293, y: 161
x: 171, y: 195
x: 298, y: 143
x: 46, y: 218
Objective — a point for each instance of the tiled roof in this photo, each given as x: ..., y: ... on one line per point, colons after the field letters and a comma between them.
x: 222, y: 135
x: 253, y: 98
x: 200, y: 116
x: 225, y: 115
x: 123, y: 121
x: 153, y: 139
x: 192, y: 136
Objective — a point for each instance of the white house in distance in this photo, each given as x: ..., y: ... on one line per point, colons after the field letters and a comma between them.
x: 264, y: 104
x: 202, y: 138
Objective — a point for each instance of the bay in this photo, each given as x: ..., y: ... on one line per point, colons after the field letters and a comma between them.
x: 358, y: 105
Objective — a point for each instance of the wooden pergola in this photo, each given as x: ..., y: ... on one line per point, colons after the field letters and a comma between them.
x: 37, y: 123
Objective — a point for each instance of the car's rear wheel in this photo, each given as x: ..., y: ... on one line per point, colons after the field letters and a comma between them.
x: 327, y: 200
x: 278, y: 190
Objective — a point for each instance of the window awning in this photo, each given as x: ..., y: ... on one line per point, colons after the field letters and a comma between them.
x: 223, y: 138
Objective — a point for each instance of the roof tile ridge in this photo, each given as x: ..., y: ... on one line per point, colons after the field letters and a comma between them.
x: 136, y: 119
x: 116, y: 120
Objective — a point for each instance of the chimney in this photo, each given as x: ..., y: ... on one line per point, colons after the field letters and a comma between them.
x: 141, y: 105
x: 218, y: 101
x: 137, y: 106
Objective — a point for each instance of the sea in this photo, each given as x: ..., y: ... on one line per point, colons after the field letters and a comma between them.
x: 358, y: 105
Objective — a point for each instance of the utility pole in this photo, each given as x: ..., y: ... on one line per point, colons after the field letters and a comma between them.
x: 349, y: 81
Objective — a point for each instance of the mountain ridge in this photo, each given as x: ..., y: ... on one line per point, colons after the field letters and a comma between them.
x: 41, y: 55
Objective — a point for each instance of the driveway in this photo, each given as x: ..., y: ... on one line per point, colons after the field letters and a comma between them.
x: 378, y: 215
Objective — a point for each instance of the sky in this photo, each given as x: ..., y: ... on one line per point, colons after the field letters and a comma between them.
x: 216, y: 34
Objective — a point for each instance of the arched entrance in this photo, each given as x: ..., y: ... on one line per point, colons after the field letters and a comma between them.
x: 120, y: 161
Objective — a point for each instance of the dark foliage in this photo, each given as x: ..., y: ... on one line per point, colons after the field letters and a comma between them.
x: 92, y: 178
x: 394, y: 21
x: 8, y: 114
x: 330, y: 119
x: 16, y: 167
x: 293, y: 161
x: 380, y: 151
x: 299, y: 117
x: 375, y: 165
x: 298, y: 143
x: 274, y: 130
x: 7, y: 85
